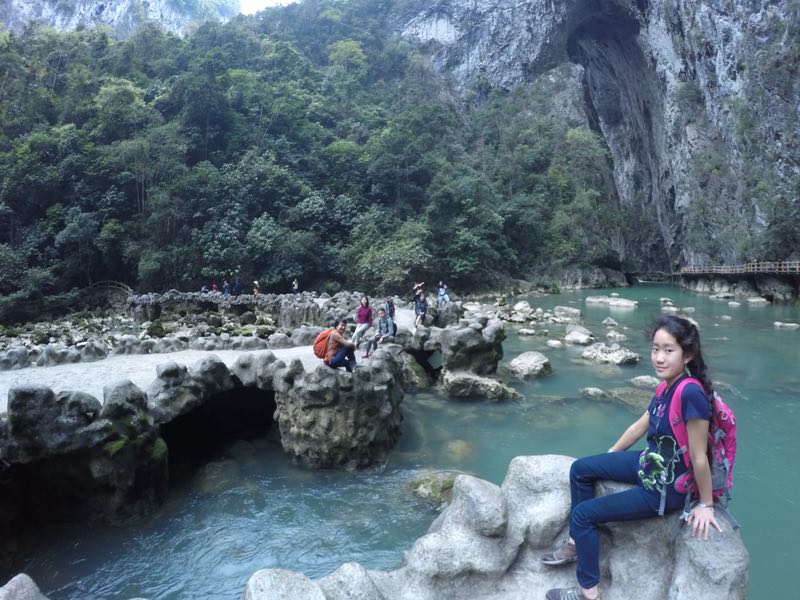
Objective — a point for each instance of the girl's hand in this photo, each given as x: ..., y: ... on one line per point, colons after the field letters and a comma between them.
x: 701, y: 518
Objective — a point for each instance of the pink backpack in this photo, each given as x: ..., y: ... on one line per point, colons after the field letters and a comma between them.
x: 721, y: 443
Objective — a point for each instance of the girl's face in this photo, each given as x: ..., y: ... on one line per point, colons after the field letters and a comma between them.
x: 364, y: 301
x: 667, y: 356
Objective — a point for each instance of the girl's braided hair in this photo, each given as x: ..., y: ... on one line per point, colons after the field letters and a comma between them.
x: 686, y: 334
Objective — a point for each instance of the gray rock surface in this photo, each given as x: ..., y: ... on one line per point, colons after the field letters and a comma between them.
x: 462, y: 384
x: 613, y: 354
x: 14, y: 358
x: 122, y: 16
x: 21, y: 587
x: 530, y: 364
x: 579, y: 335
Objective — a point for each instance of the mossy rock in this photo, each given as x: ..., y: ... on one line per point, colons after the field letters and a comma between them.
x: 40, y: 337
x: 248, y: 318
x: 159, y: 451
x: 214, y: 321
x: 114, y: 447
x: 156, y: 329
x: 264, y: 331
x: 433, y: 486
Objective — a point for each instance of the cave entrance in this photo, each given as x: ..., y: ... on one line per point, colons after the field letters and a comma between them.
x: 624, y: 99
x: 198, y: 436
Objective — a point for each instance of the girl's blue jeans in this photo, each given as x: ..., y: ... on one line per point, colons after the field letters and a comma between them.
x: 588, y: 512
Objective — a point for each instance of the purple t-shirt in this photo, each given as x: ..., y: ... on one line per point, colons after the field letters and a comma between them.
x: 661, y: 439
x: 364, y: 315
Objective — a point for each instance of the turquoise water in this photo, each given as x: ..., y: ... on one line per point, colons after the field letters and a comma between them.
x: 249, y: 510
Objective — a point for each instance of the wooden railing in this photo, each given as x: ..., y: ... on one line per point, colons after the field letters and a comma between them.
x: 783, y: 266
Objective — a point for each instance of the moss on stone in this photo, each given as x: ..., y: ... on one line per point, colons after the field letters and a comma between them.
x: 115, y: 446
x: 156, y: 329
x: 159, y: 451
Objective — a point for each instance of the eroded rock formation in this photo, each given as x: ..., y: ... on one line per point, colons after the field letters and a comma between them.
x: 487, y: 543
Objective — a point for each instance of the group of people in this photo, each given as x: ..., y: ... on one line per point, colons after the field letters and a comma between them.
x: 228, y: 289
x: 235, y: 289
x: 340, y: 352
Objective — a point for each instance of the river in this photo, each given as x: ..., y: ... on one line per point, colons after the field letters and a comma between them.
x: 249, y: 509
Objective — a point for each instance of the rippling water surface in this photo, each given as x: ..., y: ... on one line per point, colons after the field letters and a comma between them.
x: 249, y: 510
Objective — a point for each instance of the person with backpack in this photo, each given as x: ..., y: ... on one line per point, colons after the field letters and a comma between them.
x: 657, y: 469
x: 384, y: 332
x: 334, y: 349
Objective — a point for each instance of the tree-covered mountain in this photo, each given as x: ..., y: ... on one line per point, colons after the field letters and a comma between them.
x: 366, y: 144
x: 304, y: 143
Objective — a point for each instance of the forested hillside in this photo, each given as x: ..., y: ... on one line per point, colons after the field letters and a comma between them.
x: 305, y: 142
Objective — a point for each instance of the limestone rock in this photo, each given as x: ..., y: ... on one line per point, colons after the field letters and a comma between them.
x: 593, y: 392
x: 462, y: 384
x: 436, y: 486
x: 609, y: 322
x: 781, y: 325
x: 21, y: 587
x: 349, y: 581
x: 645, y: 382
x: 331, y: 418
x: 487, y: 543
x: 616, y: 336
x: 93, y: 350
x: 177, y: 390
x: 305, y: 335
x: 14, y: 358
x: 612, y: 301
x: 555, y: 344
x: 579, y: 335
x: 57, y: 354
x: 530, y: 364
x: 280, y: 340
x: 614, y: 354
x: 567, y: 313
x: 278, y: 584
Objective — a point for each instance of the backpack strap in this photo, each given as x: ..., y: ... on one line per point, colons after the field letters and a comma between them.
x: 676, y: 421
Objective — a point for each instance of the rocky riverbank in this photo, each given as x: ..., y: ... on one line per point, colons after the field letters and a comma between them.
x: 768, y: 288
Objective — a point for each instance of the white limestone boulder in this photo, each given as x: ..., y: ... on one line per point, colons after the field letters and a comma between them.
x: 530, y: 364
x: 613, y: 354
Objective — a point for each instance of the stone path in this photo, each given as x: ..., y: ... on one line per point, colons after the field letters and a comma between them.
x: 91, y: 377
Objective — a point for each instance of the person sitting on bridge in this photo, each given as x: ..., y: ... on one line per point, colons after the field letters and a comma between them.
x: 384, y: 332
x: 340, y: 351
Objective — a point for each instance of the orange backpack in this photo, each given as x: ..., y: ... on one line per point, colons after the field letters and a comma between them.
x: 321, y: 343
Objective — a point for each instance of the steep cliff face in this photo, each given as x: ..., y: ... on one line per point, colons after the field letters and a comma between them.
x: 698, y: 102
x: 123, y: 16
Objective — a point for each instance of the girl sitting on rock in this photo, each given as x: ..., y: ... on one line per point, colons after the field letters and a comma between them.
x: 363, y: 319
x: 676, y: 349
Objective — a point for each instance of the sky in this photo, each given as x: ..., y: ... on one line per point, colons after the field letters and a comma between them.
x: 252, y: 6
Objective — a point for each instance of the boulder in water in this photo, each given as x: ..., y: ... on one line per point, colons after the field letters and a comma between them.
x: 613, y: 354
x: 530, y: 364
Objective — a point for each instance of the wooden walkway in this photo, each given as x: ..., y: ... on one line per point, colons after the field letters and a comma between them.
x: 784, y: 266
